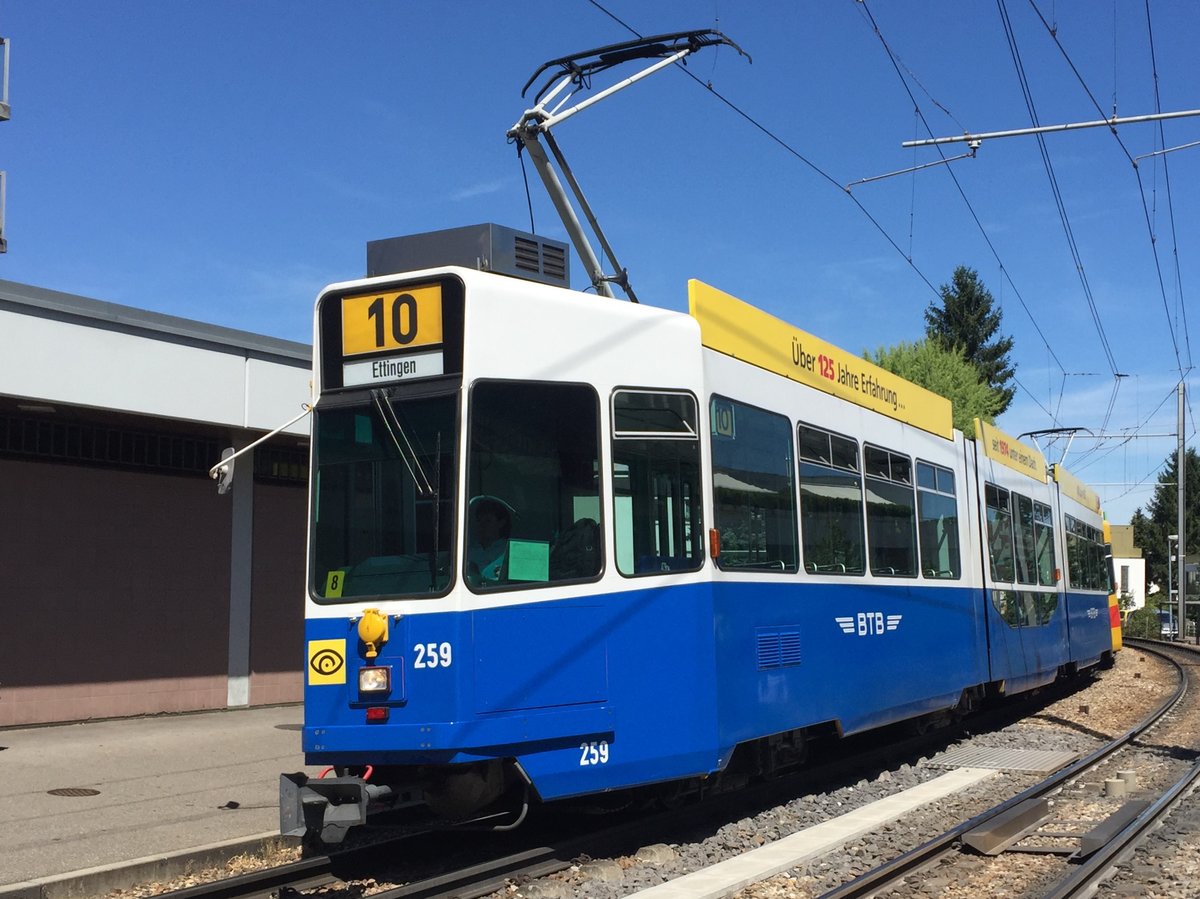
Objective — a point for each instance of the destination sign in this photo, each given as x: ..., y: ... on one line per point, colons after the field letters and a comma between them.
x: 392, y: 368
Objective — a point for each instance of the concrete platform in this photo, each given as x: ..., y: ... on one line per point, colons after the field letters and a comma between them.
x: 166, y: 784
x: 727, y: 877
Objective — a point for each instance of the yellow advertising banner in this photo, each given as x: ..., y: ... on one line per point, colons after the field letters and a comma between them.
x: 731, y: 326
x: 1071, y: 486
x: 1009, y: 451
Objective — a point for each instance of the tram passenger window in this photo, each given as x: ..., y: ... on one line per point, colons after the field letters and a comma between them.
x: 1026, y: 550
x: 891, y: 513
x: 535, y: 450
x: 755, y: 504
x: 1000, y: 533
x: 1101, y: 579
x: 1086, y: 567
x: 1025, y: 608
x: 1076, y: 553
x: 831, y: 503
x: 656, y: 482
x: 937, y: 514
x: 1043, y: 529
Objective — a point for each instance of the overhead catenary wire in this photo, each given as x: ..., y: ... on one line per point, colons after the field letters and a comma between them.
x: 1064, y: 218
x: 896, y: 65
x: 831, y: 180
x: 1170, y: 199
x: 810, y: 164
x: 1157, y: 118
x: 787, y: 147
x: 1080, y: 466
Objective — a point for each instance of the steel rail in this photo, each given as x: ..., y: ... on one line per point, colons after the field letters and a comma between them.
x: 487, y: 876
x: 878, y: 879
x: 484, y: 878
x: 294, y: 875
x: 1094, y: 869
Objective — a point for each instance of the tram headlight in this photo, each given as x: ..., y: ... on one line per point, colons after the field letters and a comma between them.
x: 375, y: 679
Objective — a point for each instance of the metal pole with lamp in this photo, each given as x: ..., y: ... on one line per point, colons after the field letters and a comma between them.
x: 1180, y: 518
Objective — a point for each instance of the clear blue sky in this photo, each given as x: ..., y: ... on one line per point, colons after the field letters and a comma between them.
x: 224, y: 160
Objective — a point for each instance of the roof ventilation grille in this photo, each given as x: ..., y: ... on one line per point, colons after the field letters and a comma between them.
x: 489, y: 248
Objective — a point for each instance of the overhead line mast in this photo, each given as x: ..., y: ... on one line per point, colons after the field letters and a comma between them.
x: 534, y: 126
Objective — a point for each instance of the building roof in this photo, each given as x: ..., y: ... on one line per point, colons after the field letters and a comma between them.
x: 30, y: 300
x: 58, y: 348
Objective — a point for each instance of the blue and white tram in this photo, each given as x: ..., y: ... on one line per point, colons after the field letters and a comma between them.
x: 1088, y: 570
x: 562, y: 545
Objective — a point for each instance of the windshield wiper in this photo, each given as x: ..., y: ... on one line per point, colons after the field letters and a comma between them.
x: 407, y: 454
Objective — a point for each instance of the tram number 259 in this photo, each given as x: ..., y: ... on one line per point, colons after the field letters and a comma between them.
x: 433, y: 655
x: 593, y: 753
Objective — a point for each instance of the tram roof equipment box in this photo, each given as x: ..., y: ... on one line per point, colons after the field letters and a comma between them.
x: 489, y: 248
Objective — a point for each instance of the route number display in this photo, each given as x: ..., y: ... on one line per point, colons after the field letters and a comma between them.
x: 392, y: 320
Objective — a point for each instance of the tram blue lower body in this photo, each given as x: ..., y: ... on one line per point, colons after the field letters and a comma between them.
x: 616, y: 690
x: 1090, y: 627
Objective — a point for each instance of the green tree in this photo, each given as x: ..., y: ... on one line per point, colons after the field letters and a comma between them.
x: 1150, y: 528
x: 966, y: 320
x: 947, y: 373
x: 1145, y: 622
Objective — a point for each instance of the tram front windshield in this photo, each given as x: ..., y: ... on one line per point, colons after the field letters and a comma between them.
x: 383, y: 497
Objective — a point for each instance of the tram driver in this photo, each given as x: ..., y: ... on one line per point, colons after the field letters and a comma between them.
x: 487, y: 549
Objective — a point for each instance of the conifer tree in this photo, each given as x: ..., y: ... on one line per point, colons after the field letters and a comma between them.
x: 967, y: 321
x: 1150, y: 528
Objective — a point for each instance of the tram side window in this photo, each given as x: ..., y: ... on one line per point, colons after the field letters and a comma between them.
x: 755, y: 504
x: 1074, y: 553
x: 1000, y: 533
x: 1086, y: 566
x: 937, y: 513
x: 1043, y: 529
x: 1025, y: 543
x: 656, y: 482
x: 891, y: 513
x: 831, y: 503
x: 533, y: 464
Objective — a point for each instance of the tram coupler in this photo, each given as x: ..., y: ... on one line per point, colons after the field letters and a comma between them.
x: 326, y: 807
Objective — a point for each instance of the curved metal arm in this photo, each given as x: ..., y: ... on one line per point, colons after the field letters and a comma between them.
x: 222, y: 472
x: 588, y: 62
x: 537, y: 121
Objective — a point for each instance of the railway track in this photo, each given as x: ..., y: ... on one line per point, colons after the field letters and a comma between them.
x: 1078, y: 837
x: 518, y: 858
